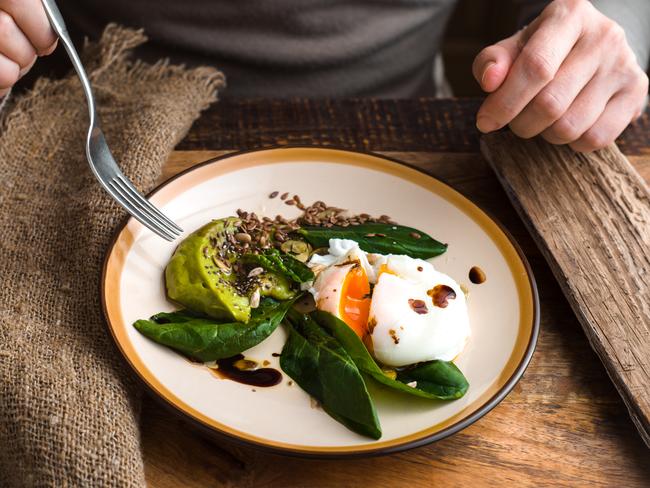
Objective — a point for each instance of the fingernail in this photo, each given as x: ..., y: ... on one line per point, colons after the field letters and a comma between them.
x: 485, y: 70
x: 485, y: 124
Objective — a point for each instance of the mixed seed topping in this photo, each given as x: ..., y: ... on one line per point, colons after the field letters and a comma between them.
x: 254, y: 234
x: 257, y: 233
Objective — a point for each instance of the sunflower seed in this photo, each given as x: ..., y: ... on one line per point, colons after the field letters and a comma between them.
x: 255, y: 272
x: 221, y: 265
x: 255, y: 298
x: 243, y: 237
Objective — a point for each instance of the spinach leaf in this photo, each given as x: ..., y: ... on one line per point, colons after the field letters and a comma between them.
x: 321, y: 367
x: 434, y: 379
x: 378, y: 238
x: 282, y: 264
x: 441, y: 379
x: 206, y: 339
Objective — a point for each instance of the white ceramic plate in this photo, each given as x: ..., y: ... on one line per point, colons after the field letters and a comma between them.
x: 503, y: 310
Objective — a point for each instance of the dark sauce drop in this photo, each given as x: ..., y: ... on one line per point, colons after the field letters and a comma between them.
x: 477, y: 275
x: 263, y: 377
x: 441, y: 294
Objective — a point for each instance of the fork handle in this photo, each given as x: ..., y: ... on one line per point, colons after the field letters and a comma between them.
x: 58, y: 25
x: 54, y: 16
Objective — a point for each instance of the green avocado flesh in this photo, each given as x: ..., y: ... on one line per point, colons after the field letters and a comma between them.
x: 200, y: 276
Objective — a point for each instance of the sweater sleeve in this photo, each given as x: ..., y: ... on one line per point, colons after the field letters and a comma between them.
x: 634, y: 17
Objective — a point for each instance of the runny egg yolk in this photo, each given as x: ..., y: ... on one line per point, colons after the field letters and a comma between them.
x: 354, y: 306
x: 384, y: 269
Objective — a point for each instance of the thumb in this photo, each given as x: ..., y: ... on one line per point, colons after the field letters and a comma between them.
x: 492, y: 64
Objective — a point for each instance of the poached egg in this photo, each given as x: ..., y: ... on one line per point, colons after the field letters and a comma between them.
x: 403, y: 308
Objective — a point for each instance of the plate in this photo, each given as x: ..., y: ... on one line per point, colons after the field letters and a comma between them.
x: 503, y: 310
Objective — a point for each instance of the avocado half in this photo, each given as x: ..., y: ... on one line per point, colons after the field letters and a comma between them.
x: 203, y: 281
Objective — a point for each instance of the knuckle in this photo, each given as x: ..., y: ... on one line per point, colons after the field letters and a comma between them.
x: 613, y: 34
x: 626, y: 70
x: 45, y: 40
x: 27, y: 63
x: 566, y: 130
x: 571, y: 6
x: 538, y: 65
x: 643, y: 84
x: 635, y: 83
x: 49, y: 39
x: 507, y: 111
x: 596, y: 139
x: 520, y: 130
x: 549, y: 105
x: 5, y: 21
x: 566, y: 9
x: 11, y: 5
x: 9, y: 75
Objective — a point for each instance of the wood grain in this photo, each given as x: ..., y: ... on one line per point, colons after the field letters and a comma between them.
x: 590, y: 216
x: 562, y: 425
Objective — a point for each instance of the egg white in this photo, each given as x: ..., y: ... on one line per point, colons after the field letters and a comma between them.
x: 400, y: 335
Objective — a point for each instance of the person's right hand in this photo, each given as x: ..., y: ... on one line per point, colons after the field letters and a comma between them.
x: 25, y: 34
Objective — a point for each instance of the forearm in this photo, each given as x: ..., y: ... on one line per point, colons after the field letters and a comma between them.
x: 634, y: 17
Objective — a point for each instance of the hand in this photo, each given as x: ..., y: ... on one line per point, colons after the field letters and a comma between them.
x: 570, y: 76
x: 25, y: 34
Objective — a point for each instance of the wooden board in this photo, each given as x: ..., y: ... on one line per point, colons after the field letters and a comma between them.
x: 590, y: 216
x: 562, y: 425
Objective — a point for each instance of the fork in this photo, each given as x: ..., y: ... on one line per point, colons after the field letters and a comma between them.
x: 99, y: 156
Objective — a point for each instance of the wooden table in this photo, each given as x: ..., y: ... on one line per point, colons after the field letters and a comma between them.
x: 563, y: 424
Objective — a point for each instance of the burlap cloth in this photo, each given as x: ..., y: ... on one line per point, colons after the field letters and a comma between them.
x: 68, y: 406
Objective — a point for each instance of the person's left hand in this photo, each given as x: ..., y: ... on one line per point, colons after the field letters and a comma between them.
x: 570, y: 76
